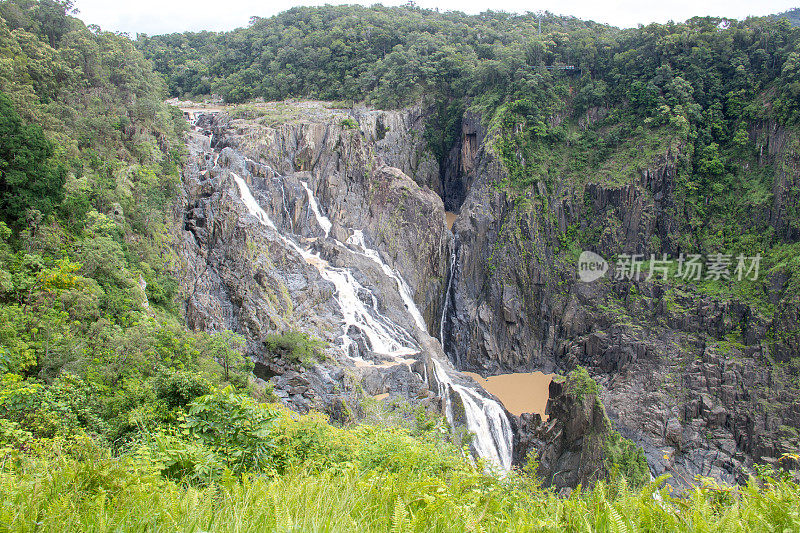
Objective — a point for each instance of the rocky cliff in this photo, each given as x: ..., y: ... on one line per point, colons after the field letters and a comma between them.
x: 688, y: 375
x: 301, y: 219
x: 569, y: 445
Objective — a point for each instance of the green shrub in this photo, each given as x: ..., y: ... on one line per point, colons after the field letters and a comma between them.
x: 235, y: 427
x: 296, y: 346
x: 178, y: 389
x: 183, y: 459
x: 46, y: 411
x: 227, y: 348
x: 625, y: 458
x: 580, y: 384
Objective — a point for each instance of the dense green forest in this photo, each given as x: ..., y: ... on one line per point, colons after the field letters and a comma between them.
x: 793, y: 16
x: 703, y: 82
x: 91, y: 339
x: 393, y: 56
x: 114, y: 416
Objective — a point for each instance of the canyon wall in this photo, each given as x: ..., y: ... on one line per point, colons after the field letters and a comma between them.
x: 690, y: 376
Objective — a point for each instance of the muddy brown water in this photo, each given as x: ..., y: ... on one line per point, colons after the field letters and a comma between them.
x: 522, y: 392
x: 451, y: 218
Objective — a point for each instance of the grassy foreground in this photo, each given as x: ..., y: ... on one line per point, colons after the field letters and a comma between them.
x: 363, y: 478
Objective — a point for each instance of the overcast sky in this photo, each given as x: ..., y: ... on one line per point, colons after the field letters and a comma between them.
x: 166, y: 16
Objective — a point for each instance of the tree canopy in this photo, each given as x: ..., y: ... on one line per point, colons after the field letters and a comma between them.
x: 29, y: 177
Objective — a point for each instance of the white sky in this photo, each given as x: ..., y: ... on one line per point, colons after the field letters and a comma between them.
x: 166, y: 16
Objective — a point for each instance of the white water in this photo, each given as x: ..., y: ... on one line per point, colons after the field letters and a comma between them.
x: 382, y: 334
x: 285, y: 208
x: 485, y: 417
x: 357, y: 239
x: 323, y: 221
x: 446, y: 304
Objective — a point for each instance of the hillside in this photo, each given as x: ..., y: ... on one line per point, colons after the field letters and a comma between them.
x: 793, y: 16
x: 667, y: 141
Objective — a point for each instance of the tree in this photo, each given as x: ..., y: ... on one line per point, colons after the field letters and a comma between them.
x: 48, y: 17
x: 227, y: 348
x: 710, y: 164
x: 29, y: 177
x: 53, y: 18
x: 235, y: 426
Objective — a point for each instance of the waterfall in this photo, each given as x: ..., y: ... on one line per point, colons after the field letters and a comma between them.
x: 285, y: 207
x: 323, y: 221
x: 357, y: 240
x: 382, y: 334
x: 446, y: 304
x: 485, y: 417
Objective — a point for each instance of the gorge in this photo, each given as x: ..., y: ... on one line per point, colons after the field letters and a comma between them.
x: 371, y: 340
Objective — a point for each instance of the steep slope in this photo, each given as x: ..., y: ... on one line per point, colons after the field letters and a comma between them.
x: 683, y: 371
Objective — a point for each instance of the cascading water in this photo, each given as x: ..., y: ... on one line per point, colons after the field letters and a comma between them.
x: 382, y: 334
x: 285, y: 208
x: 446, y: 304
x: 357, y: 240
x: 485, y: 417
x: 323, y: 221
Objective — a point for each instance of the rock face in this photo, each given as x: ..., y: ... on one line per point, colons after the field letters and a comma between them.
x: 460, y: 169
x: 240, y: 274
x: 357, y: 170
x: 306, y: 222
x: 570, y: 445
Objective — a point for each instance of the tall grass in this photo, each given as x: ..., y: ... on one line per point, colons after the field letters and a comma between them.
x: 89, y: 490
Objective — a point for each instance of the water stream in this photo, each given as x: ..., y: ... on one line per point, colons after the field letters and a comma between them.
x: 382, y: 334
x: 446, y: 304
x: 357, y: 240
x: 486, y: 417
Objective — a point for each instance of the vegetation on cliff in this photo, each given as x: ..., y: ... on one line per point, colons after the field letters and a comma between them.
x: 91, y: 339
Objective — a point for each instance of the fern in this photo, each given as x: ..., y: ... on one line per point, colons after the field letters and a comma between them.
x: 283, y: 521
x: 618, y: 525
x: 398, y: 517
